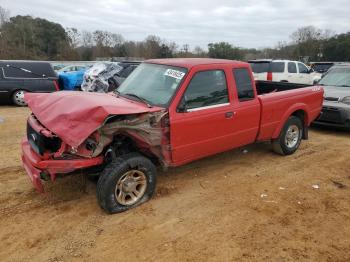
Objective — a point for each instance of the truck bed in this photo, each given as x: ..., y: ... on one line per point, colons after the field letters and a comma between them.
x: 280, y: 100
x: 265, y: 87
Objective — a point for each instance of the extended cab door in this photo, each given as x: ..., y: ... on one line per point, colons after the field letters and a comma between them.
x: 205, y: 118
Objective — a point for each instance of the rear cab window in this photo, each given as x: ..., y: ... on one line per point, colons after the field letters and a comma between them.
x: 244, y: 84
x: 277, y: 67
x: 207, y: 89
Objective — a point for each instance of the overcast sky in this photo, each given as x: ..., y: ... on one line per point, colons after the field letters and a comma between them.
x: 244, y: 23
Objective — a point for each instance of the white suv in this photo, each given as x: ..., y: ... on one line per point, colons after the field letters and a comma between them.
x: 284, y: 71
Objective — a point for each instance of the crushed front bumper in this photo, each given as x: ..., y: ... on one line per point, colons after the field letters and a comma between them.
x: 35, y: 165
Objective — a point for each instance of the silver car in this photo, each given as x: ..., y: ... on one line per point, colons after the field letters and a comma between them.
x: 336, y: 104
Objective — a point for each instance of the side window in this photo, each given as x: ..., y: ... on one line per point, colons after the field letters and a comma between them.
x: 206, y: 88
x: 292, y: 68
x: 244, y: 84
x: 277, y: 67
x: 302, y: 68
x: 12, y: 72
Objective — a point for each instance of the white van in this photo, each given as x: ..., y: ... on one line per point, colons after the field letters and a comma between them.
x: 284, y: 71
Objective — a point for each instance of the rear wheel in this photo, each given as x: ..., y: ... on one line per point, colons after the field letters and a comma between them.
x: 126, y: 182
x: 290, y: 138
x: 18, y: 98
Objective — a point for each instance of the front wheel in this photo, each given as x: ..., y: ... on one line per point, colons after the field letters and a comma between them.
x: 290, y: 138
x: 126, y: 182
x: 18, y: 98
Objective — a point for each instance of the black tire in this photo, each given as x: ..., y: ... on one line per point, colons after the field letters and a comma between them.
x: 114, y: 172
x: 282, y: 145
x: 18, y: 98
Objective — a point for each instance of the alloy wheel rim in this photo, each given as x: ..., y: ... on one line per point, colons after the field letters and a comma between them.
x: 292, y: 136
x: 131, y: 187
x: 19, y: 98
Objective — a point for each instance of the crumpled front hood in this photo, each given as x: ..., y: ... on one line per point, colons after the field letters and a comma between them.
x: 336, y: 91
x: 74, y: 116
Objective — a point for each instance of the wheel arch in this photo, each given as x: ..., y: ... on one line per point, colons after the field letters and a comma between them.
x: 136, y: 144
x: 300, y: 111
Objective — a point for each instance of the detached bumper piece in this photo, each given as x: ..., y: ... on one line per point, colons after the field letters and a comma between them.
x: 35, y: 165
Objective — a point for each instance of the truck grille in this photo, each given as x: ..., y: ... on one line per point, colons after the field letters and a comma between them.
x: 331, y: 115
x: 40, y: 143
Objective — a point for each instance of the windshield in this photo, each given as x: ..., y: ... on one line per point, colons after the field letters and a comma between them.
x: 337, y: 77
x: 155, y: 84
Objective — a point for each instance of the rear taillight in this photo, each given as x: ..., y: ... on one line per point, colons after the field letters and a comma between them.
x: 269, y: 76
x: 56, y: 85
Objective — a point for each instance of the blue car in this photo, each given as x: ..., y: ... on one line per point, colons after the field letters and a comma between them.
x: 71, y: 80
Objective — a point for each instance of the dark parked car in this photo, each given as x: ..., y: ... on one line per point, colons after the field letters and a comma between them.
x: 19, y: 77
x: 321, y: 67
x: 336, y: 104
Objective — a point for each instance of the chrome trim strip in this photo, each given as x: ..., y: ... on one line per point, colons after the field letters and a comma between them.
x: 207, y: 107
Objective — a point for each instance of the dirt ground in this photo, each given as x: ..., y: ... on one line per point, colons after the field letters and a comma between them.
x: 237, y: 206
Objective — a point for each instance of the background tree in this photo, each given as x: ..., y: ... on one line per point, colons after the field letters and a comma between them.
x: 27, y: 38
x: 224, y: 50
x: 337, y: 48
x: 309, y: 42
x: 4, y: 16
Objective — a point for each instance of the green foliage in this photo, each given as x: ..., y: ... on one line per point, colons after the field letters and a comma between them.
x: 28, y: 37
x: 225, y: 51
x: 337, y: 48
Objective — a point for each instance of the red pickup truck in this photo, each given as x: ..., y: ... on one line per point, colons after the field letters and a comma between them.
x: 167, y: 113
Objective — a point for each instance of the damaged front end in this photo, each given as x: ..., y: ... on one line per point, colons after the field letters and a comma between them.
x: 44, y: 155
x: 147, y: 133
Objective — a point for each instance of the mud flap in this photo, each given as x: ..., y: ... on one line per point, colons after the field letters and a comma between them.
x: 306, y: 133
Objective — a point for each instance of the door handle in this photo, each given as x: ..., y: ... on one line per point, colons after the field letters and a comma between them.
x: 229, y: 115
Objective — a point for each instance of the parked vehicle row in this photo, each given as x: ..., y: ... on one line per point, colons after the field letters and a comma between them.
x: 284, y: 71
x: 19, y: 77
x: 168, y: 112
